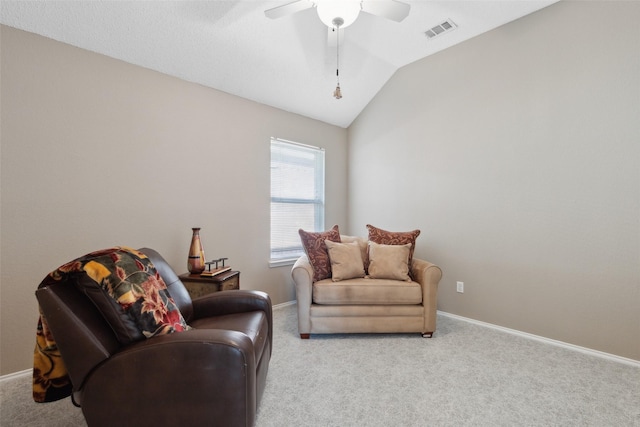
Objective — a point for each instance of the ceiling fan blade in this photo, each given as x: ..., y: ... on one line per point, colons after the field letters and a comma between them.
x: 390, y: 9
x: 288, y: 9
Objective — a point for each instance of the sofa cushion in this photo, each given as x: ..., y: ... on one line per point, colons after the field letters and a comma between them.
x: 317, y: 252
x: 346, y: 260
x: 389, y: 261
x: 366, y: 291
x: 384, y: 237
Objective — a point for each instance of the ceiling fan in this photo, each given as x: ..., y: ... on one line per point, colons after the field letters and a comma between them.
x: 338, y: 14
x: 346, y: 11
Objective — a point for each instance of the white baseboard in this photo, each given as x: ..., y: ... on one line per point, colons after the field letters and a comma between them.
x: 15, y: 375
x: 284, y: 304
x: 557, y: 343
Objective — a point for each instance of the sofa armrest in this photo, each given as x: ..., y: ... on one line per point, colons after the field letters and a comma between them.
x: 302, y: 274
x: 428, y: 275
x: 214, y: 370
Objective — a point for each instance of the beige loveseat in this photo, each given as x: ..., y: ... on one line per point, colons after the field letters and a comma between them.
x: 366, y: 305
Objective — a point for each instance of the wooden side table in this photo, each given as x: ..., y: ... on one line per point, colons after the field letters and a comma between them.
x: 198, y: 286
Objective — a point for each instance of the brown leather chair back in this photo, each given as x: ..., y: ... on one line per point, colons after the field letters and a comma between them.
x: 81, y: 332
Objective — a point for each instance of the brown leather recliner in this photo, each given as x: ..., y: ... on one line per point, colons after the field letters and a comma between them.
x: 213, y: 374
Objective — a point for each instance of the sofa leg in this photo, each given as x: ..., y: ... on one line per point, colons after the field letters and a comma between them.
x: 427, y: 334
x: 305, y: 336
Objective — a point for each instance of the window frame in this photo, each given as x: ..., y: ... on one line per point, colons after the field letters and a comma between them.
x: 290, y: 254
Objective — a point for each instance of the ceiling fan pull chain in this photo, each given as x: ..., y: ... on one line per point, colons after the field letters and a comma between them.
x: 337, y: 22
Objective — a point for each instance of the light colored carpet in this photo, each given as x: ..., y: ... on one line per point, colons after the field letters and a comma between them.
x: 466, y: 375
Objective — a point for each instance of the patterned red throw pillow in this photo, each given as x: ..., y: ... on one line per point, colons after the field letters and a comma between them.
x: 383, y: 237
x: 317, y: 252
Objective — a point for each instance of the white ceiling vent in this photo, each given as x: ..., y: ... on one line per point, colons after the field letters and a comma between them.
x: 440, y: 29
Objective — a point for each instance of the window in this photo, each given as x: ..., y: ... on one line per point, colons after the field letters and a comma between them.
x: 297, y: 197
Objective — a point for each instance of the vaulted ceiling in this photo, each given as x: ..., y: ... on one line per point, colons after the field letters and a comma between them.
x: 288, y: 63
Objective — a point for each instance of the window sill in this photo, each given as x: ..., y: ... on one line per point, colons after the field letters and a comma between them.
x: 282, y: 262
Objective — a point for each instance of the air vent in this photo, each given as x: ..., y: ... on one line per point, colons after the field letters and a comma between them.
x: 440, y: 29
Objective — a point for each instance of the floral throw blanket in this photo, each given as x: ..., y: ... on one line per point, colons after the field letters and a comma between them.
x: 137, y: 297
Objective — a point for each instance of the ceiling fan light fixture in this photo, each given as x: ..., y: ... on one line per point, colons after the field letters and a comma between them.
x: 329, y: 10
x: 337, y: 94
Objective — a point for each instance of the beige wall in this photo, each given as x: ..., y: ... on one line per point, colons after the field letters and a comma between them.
x: 97, y: 152
x: 517, y: 154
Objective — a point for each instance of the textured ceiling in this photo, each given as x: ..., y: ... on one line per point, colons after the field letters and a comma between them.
x: 287, y: 63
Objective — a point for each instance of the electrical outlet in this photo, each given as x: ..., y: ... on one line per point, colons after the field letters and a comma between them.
x: 460, y: 287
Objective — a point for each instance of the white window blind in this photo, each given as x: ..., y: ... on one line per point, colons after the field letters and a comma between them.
x: 297, y: 196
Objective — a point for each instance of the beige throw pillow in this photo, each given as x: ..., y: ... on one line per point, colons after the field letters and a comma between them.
x: 384, y: 237
x: 346, y: 260
x: 389, y: 261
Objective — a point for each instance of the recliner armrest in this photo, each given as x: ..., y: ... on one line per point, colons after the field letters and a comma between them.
x: 230, y: 302
x: 235, y: 301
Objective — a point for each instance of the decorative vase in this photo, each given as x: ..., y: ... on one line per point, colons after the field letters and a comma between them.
x: 196, y: 260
